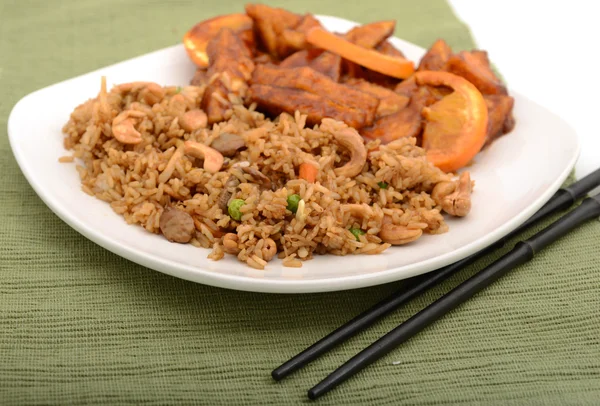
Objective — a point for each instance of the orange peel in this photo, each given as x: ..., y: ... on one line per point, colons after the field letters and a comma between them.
x: 394, y: 66
x: 456, y: 126
x: 197, y: 38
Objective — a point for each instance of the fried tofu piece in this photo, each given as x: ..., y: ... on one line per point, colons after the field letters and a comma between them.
x: 371, y: 35
x: 296, y: 38
x: 428, y: 95
x: 387, y: 48
x: 500, y: 118
x: 389, y: 101
x: 200, y: 78
x: 277, y: 100
x: 197, y: 38
x: 270, y: 23
x: 475, y: 67
x: 436, y: 57
x: 327, y: 63
x: 509, y: 123
x: 301, y: 59
x: 351, y: 70
x: 422, y: 95
x: 404, y: 123
x: 380, y: 79
x: 215, y: 102
x: 230, y: 69
x: 368, y: 36
x: 407, y: 87
x: 263, y: 58
x: 229, y: 54
x: 280, y: 32
x: 314, y: 82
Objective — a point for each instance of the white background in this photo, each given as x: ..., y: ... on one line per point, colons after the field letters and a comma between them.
x: 548, y: 51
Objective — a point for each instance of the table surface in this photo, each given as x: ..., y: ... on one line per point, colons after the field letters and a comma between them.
x: 533, y: 44
x: 79, y: 325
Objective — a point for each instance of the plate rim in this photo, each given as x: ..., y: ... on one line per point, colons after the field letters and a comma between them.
x: 245, y: 283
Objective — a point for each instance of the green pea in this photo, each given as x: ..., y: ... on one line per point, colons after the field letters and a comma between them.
x: 234, y: 209
x: 179, y: 89
x: 292, y: 203
x: 357, y: 232
x: 382, y: 185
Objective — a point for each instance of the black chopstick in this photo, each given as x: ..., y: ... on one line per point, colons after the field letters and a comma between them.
x: 523, y: 252
x: 561, y: 200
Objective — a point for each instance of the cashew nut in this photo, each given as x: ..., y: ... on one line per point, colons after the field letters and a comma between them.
x: 458, y: 203
x: 230, y: 243
x: 358, y: 210
x: 123, y: 128
x: 213, y: 160
x: 178, y: 104
x: 350, y: 139
x: 129, y: 113
x: 128, y: 87
x: 441, y: 190
x: 193, y: 120
x: 269, y: 249
x: 396, y: 234
x: 152, y: 93
x: 140, y: 107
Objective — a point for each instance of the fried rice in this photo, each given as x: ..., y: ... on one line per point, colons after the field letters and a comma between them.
x: 140, y: 181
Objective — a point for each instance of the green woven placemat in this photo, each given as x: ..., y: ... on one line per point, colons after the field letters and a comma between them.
x: 81, y: 325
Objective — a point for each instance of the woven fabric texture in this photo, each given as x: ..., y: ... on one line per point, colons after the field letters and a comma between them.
x: 79, y: 325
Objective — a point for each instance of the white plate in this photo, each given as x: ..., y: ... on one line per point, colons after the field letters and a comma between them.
x: 514, y: 178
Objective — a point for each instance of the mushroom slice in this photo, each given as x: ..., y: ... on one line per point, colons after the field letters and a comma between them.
x: 228, y: 144
x: 258, y: 176
x: 177, y: 225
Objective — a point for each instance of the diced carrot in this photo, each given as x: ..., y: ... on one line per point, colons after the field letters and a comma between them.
x: 308, y: 172
x: 389, y: 65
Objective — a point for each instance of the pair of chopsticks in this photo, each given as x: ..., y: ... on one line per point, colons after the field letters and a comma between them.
x: 523, y: 252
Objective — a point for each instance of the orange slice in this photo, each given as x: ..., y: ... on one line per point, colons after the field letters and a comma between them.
x: 396, y: 67
x: 196, y: 39
x: 455, y: 126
